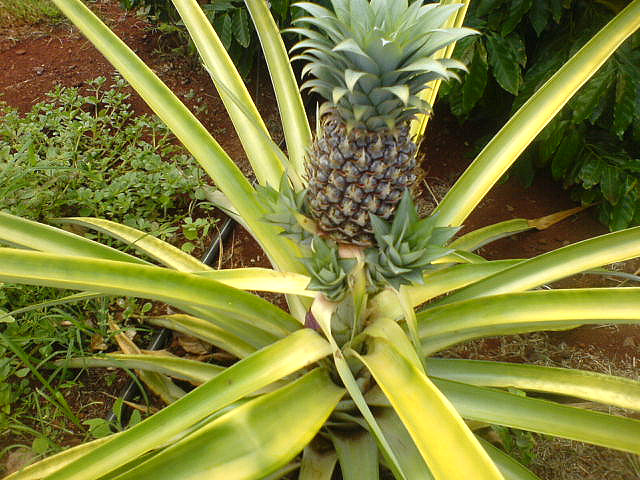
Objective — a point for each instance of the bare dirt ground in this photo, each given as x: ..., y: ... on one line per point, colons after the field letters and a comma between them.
x: 34, y: 59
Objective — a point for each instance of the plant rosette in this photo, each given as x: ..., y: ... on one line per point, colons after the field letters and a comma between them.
x: 362, y: 388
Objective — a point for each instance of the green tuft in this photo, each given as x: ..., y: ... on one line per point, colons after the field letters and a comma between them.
x: 286, y: 210
x: 328, y: 271
x: 406, y: 247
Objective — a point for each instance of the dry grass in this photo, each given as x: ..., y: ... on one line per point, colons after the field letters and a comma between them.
x: 559, y: 459
x: 27, y: 12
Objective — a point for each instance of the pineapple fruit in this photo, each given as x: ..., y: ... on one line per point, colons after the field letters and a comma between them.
x: 370, y: 61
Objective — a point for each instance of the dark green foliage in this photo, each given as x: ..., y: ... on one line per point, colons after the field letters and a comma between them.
x: 603, y: 172
x: 593, y: 145
x: 230, y: 18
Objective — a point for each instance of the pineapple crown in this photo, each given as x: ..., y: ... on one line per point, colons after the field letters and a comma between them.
x: 371, y: 59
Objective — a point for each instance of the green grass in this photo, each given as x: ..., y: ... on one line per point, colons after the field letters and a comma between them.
x: 34, y: 413
x: 29, y: 12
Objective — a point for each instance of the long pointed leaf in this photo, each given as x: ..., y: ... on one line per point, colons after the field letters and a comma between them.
x: 278, y: 426
x: 204, y: 330
x: 294, y: 119
x: 251, y: 129
x: 482, y: 236
x: 502, y: 408
x: 596, y: 387
x: 260, y: 369
x: 262, y: 280
x: 583, y: 304
x: 528, y: 311
x: 428, y: 416
x: 38, y: 236
x: 181, y: 368
x: 161, y: 251
x: 437, y: 283
x: 178, y: 288
x: 436, y: 343
x: 408, y: 455
x: 248, y: 333
x: 455, y: 277
x: 492, y: 406
x: 357, y: 453
x: 557, y: 264
x: 387, y: 329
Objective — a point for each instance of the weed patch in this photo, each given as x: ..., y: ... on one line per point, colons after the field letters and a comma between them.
x: 31, y: 12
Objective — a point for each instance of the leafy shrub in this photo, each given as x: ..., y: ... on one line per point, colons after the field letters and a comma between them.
x: 230, y: 18
x: 593, y: 144
x: 89, y: 155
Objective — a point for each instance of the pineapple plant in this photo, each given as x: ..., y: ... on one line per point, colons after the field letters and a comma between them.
x: 358, y: 387
x: 369, y: 61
